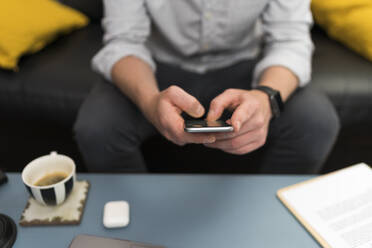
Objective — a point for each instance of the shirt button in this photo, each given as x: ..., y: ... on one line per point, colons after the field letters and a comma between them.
x: 205, y: 46
x: 208, y: 15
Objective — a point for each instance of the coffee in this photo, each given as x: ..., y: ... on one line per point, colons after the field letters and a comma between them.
x: 51, y: 178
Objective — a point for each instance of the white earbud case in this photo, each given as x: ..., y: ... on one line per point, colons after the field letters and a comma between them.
x: 116, y: 214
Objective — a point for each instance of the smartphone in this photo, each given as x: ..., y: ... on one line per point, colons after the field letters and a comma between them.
x: 204, y: 126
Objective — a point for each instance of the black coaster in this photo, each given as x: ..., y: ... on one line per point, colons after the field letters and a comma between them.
x: 8, y: 231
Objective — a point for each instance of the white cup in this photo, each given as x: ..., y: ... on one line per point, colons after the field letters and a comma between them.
x: 38, y: 168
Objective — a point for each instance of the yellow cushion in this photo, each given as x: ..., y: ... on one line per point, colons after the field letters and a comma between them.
x: 348, y: 21
x: 26, y: 26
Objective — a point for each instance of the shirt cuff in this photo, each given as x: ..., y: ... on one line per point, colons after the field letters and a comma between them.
x: 299, y: 65
x: 106, y: 58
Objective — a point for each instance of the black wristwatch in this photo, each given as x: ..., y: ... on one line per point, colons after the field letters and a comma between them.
x: 276, y: 102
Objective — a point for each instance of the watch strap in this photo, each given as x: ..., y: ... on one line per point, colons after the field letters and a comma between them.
x: 275, y: 99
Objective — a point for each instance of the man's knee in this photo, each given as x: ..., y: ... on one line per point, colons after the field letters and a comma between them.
x: 92, y: 133
x: 322, y: 128
x: 106, y: 130
x: 103, y: 133
x: 106, y: 119
x: 88, y: 131
x: 105, y: 145
x: 308, y: 128
x: 318, y: 117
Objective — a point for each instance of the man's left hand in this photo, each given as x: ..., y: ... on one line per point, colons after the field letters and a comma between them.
x: 250, y: 119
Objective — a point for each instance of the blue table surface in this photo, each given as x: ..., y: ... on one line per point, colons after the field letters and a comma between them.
x: 177, y: 211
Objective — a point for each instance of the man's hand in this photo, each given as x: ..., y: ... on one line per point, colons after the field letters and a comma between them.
x: 164, y: 112
x: 250, y: 119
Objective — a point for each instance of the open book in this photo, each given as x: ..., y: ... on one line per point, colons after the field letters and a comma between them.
x: 335, y: 208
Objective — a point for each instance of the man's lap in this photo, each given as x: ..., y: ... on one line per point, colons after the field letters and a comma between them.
x: 119, y: 123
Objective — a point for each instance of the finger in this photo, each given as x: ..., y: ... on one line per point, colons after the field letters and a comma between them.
x: 248, y: 126
x: 173, y: 129
x: 199, y: 138
x: 229, y: 135
x: 185, y: 101
x: 242, y: 114
x: 253, y: 123
x: 238, y: 141
x: 179, y: 136
x: 226, y: 135
x: 229, y: 98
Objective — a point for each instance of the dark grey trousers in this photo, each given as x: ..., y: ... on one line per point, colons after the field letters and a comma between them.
x: 110, y: 128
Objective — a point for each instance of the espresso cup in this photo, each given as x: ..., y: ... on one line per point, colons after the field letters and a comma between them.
x: 39, y: 168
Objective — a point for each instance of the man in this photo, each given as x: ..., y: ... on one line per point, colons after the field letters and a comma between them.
x: 201, y: 57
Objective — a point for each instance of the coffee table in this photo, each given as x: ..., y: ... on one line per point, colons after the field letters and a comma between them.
x: 177, y: 211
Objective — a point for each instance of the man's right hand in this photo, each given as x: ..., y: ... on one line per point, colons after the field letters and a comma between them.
x: 163, y: 109
x: 164, y: 112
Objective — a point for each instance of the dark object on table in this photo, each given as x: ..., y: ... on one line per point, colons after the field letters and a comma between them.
x: 3, y: 178
x: 88, y: 241
x: 8, y: 231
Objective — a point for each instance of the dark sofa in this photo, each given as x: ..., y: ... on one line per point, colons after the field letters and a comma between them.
x: 38, y: 105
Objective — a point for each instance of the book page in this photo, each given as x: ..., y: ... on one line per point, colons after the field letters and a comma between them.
x: 338, y: 206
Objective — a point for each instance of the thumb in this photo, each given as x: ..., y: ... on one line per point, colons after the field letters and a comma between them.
x: 241, y: 115
x: 186, y: 102
x: 228, y: 98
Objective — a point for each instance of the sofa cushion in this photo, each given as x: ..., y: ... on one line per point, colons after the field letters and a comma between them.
x: 349, y: 22
x: 345, y: 77
x: 28, y: 26
x: 51, y: 84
